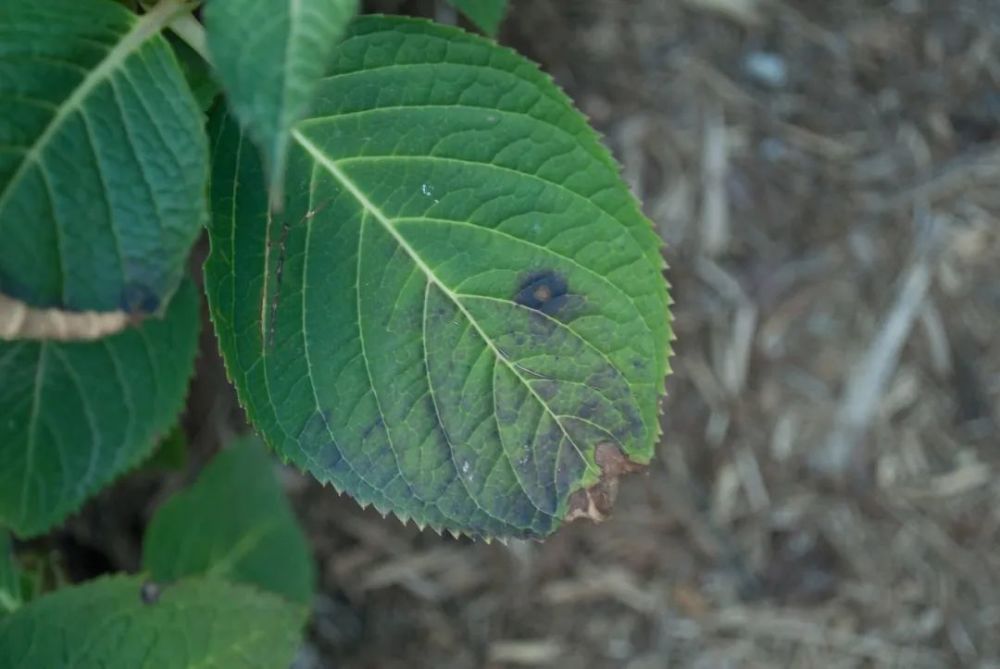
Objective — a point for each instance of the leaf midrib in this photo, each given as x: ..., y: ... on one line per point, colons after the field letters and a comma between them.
x: 142, y: 30
x: 36, y: 403
x: 317, y: 154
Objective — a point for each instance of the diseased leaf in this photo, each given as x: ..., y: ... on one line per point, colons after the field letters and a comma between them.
x: 270, y: 55
x: 103, y: 159
x: 76, y: 415
x: 234, y: 523
x: 120, y: 623
x: 486, y: 14
x: 460, y: 315
x: 10, y: 576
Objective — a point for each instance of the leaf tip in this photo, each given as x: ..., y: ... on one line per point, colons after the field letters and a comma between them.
x: 595, y: 502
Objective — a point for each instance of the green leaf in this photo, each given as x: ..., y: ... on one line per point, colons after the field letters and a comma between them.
x: 461, y: 299
x: 103, y: 159
x: 197, y: 72
x: 10, y: 576
x: 171, y: 452
x: 75, y: 415
x: 270, y: 55
x: 117, y: 623
x: 41, y: 570
x: 486, y: 14
x: 234, y: 523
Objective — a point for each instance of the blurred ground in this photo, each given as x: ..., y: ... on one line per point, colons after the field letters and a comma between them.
x: 827, y: 494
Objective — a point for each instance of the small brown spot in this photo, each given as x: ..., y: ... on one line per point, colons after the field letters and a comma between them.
x: 596, y: 501
x: 545, y: 291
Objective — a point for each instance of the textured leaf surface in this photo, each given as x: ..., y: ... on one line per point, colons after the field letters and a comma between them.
x: 486, y: 14
x: 197, y: 72
x: 270, y: 55
x: 234, y: 523
x: 461, y: 299
x: 111, y: 624
x: 103, y: 159
x: 77, y: 414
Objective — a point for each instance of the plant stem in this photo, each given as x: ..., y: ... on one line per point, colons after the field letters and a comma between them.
x: 184, y: 24
x: 192, y: 33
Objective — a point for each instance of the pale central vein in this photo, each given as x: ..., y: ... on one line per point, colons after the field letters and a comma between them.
x: 332, y: 167
x: 36, y: 404
x: 223, y: 564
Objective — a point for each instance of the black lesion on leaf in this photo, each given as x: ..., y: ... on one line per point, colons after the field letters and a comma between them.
x: 315, y: 436
x: 546, y: 390
x: 506, y: 414
x: 590, y: 409
x: 546, y: 291
x: 606, y: 377
x: 636, y: 426
x: 440, y: 313
x: 149, y: 593
x: 139, y: 298
x: 377, y: 424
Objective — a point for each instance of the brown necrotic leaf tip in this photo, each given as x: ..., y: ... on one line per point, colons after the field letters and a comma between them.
x: 596, y: 501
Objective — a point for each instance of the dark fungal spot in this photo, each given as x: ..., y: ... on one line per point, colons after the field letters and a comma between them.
x: 139, y: 298
x: 149, y: 593
x: 377, y: 424
x: 545, y: 291
x: 546, y: 389
x: 315, y: 435
x: 506, y: 414
x: 589, y: 409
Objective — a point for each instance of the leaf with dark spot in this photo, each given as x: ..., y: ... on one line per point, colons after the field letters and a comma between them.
x: 235, y: 522
x: 104, y: 168
x: 122, y: 621
x: 543, y: 291
x: 77, y: 414
x: 476, y: 309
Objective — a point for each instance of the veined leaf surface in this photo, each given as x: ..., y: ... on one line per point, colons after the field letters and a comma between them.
x: 77, y: 414
x: 117, y: 623
x: 486, y: 14
x: 103, y: 159
x: 270, y: 55
x: 460, y: 316
x: 234, y: 523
